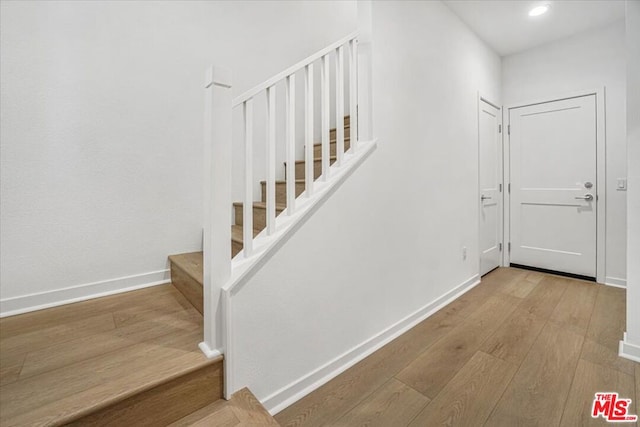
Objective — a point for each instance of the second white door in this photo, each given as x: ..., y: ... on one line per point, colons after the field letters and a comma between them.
x: 553, y: 185
x: 490, y: 155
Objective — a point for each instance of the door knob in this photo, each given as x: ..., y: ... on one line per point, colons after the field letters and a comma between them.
x: 587, y: 197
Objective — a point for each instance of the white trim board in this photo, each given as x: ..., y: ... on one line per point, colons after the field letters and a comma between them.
x: 628, y: 350
x: 616, y: 282
x: 57, y: 297
x: 601, y: 175
x: 299, y: 388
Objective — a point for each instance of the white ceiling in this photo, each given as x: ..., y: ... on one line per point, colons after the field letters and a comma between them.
x: 506, y: 26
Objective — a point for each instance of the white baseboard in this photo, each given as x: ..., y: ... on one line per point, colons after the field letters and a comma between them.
x: 54, y: 298
x: 628, y: 350
x: 305, y: 385
x: 209, y: 352
x: 616, y: 282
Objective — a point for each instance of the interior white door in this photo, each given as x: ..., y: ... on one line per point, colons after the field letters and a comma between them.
x: 490, y: 165
x: 553, y: 185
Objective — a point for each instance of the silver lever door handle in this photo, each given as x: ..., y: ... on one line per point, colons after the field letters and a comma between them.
x: 483, y: 197
x: 587, y: 197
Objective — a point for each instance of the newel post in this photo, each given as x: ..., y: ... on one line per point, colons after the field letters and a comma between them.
x: 217, y: 202
x: 365, y: 71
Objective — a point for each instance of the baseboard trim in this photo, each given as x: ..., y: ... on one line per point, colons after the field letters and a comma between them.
x: 616, y: 282
x: 628, y: 350
x: 209, y: 352
x: 296, y: 390
x: 57, y: 297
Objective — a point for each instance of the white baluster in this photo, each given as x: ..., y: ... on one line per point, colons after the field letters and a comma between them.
x: 339, y: 105
x: 291, y: 143
x: 308, y: 140
x: 271, y: 160
x: 353, y: 94
x: 325, y: 83
x: 247, y: 209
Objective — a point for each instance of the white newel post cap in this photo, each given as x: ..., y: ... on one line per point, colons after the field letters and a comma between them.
x: 219, y: 76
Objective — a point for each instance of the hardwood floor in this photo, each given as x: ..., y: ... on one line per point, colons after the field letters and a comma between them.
x: 521, y: 348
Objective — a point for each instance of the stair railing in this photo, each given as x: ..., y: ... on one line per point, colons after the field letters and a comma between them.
x: 218, y: 266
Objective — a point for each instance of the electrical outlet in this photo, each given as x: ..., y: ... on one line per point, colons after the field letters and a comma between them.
x: 464, y: 252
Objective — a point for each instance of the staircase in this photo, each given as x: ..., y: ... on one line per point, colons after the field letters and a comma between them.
x: 187, y: 268
x: 124, y: 360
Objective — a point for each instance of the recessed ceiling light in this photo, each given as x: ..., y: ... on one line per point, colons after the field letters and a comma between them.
x: 539, y: 10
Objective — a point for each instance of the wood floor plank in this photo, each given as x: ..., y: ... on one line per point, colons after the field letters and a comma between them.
x: 84, y: 348
x: 519, y: 288
x: 338, y: 396
x: 392, y: 404
x: 20, y: 344
x: 217, y: 414
x: 41, y: 319
x: 589, y: 379
x: 512, y: 341
x: 433, y: 369
x: 606, y: 356
x: 10, y: 369
x: 574, y: 309
x: 243, y: 409
x: 609, y: 317
x: 458, y: 403
x: 537, y: 393
x: 542, y: 300
x: 249, y: 410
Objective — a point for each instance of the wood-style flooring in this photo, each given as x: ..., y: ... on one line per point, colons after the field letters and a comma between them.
x: 520, y: 349
x: 101, y: 361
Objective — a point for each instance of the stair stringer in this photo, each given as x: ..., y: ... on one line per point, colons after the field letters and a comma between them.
x: 243, y: 268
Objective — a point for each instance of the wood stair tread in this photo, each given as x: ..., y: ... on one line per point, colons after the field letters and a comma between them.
x: 191, y: 263
x: 283, y: 181
x: 120, y: 367
x: 331, y: 158
x: 261, y: 205
x: 237, y: 233
x: 242, y: 409
x: 332, y: 141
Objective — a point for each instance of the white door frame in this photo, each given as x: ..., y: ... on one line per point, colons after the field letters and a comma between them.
x: 601, y: 173
x: 501, y: 214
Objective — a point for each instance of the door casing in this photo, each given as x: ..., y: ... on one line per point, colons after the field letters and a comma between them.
x: 600, y: 173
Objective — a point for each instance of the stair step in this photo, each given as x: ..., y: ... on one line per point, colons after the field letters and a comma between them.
x: 259, y: 214
x: 147, y: 371
x: 281, y: 190
x: 187, y: 276
x: 317, y: 168
x: 237, y: 241
x: 242, y: 409
x: 333, y: 145
x: 347, y: 132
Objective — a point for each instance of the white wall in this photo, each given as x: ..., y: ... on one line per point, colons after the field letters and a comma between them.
x: 389, y: 242
x: 586, y: 61
x: 632, y: 341
x: 102, y: 117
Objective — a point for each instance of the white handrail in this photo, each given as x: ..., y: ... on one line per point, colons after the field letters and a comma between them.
x: 275, y: 79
